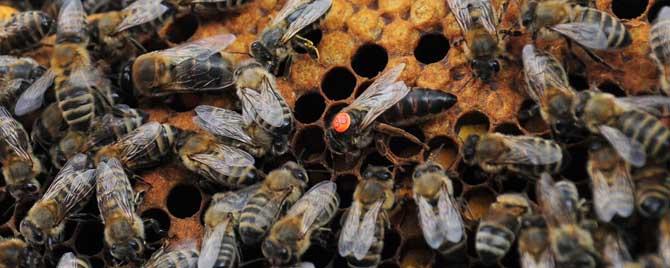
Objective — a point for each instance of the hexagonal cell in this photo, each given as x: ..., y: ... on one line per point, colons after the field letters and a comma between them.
x: 309, y: 107
x: 182, y: 28
x: 96, y: 262
x: 163, y: 220
x: 512, y: 183
x: 626, y: 9
x: 317, y: 173
x: 89, y: 240
x: 338, y: 83
x: 508, y: 129
x: 362, y: 87
x: 443, y: 150
x: 392, y: 241
x: 309, y: 143
x: 184, y: 201
x: 314, y: 35
x: 403, y: 147
x: 70, y: 228
x: 369, y: 60
x: 472, y: 175
x: 346, y: 184
x: 473, y: 122
x: 479, y: 199
x: 612, y: 88
x: 578, y: 82
x: 7, y: 204
x: 432, y: 47
x: 655, y: 8
x: 533, y: 124
x: 318, y: 255
x: 576, y: 160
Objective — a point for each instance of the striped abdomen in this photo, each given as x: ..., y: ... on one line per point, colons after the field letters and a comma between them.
x: 160, y: 148
x: 111, y: 128
x: 208, y: 6
x: 257, y: 218
x: 659, y: 40
x: 227, y: 256
x: 287, y: 116
x: 241, y: 176
x: 374, y: 255
x: 24, y: 31
x: 419, y: 105
x: 76, y: 103
x: 537, y: 170
x: 652, y: 196
x: 195, y: 74
x: 615, y: 32
x: 648, y: 131
x: 186, y: 258
x: 493, y: 240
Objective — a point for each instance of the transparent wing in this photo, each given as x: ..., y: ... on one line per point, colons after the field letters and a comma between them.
x: 429, y: 221
x: 366, y: 232
x: 450, y: 222
x: 71, y: 17
x: 589, y: 35
x: 315, y: 203
x: 14, y: 135
x: 650, y: 104
x: 222, y: 123
x: 226, y: 160
x: 289, y: 8
x: 200, y: 49
x: 76, y: 179
x: 383, y: 93
x: 345, y: 245
x: 211, y: 245
x: 68, y: 260
x: 627, y: 148
x: 32, y: 98
x: 309, y: 14
x: 114, y: 187
x: 615, y: 184
x: 528, y: 150
x: 615, y: 252
x: 542, y: 71
x: 140, y: 12
x: 550, y: 201
x: 461, y: 10
x: 234, y: 201
x: 265, y: 104
x: 137, y: 142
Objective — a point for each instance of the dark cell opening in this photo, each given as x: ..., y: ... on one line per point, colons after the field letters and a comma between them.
x: 653, y: 11
x: 612, y: 88
x: 6, y: 232
x: 184, y: 201
x: 478, y: 199
x: 586, y: 193
x: 403, y: 147
x: 57, y: 252
x: 314, y: 36
x: 455, y: 261
x: 317, y: 173
x: 2, y: 181
x: 443, y: 150
x: 70, y: 227
x: 369, y: 60
x: 375, y: 159
x: 182, y: 28
x: 318, y: 255
x: 183, y: 102
x: 22, y: 208
x: 91, y: 207
x: 473, y: 122
x: 530, y: 192
x: 508, y: 129
x: 89, y: 239
x: 309, y: 143
x: 96, y: 262
x: 578, y: 82
x: 472, y: 251
x: 362, y: 87
x: 392, y: 242
x: 7, y: 205
x: 309, y: 107
x: 576, y: 159
x: 472, y: 175
x: 432, y: 48
x: 346, y: 184
x: 458, y: 186
x: 629, y: 9
x: 163, y: 220
x: 531, y: 122
x: 338, y: 83
x: 510, y: 183
x: 331, y: 111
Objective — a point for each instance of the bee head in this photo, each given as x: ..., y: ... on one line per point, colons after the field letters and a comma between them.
x: 428, y: 167
x: 31, y: 233
x: 653, y: 206
x: 470, y: 148
x: 485, y: 69
x: 379, y: 173
x: 125, y: 78
x: 528, y: 14
x: 296, y: 170
x: 148, y: 71
x: 262, y: 54
x: 25, y: 190
x: 127, y: 250
x: 276, y: 253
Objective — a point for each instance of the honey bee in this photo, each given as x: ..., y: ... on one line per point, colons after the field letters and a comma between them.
x: 114, y: 125
x: 652, y: 190
x: 124, y: 229
x: 440, y: 219
x: 219, y: 245
x: 274, y: 48
x: 419, y: 105
x: 49, y: 127
x: 664, y: 239
x: 15, y: 252
x: 16, y: 74
x: 530, y: 156
x: 627, y: 123
x: 218, y: 163
x: 24, y: 31
x: 290, y: 237
x: 143, y: 147
x: 19, y: 165
x: 362, y: 237
x: 611, y: 182
x: 534, y: 243
x: 612, y: 246
x: 213, y: 6
x: 192, y: 67
x: 547, y: 84
x: 69, y: 260
x: 66, y: 195
x: 182, y: 256
x: 499, y: 227
x: 659, y: 40
x: 280, y: 189
x: 351, y: 129
x: 478, y: 22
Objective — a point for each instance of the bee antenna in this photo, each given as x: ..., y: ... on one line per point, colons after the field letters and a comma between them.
x: 239, y: 53
x: 251, y: 262
x: 317, y: 171
x: 433, y: 153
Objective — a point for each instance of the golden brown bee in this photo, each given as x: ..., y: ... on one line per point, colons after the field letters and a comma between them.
x: 534, y: 243
x: 16, y: 75
x: 69, y: 260
x: 499, y: 227
x: 290, y: 237
x: 478, y: 22
x: 15, y: 252
x: 124, y: 229
x: 192, y: 67
x: 659, y: 40
x: 66, y: 195
x: 652, y: 190
x: 627, y: 123
x: 439, y: 214
x: 219, y: 245
x: 525, y: 155
x: 362, y: 235
x: 180, y: 256
x: 611, y: 182
x: 106, y: 42
x: 274, y: 48
x: 143, y: 147
x: 19, y: 165
x: 280, y: 189
x: 49, y: 127
x: 24, y: 31
x: 664, y: 239
x: 218, y: 163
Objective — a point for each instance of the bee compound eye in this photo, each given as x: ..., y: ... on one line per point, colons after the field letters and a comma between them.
x: 341, y: 122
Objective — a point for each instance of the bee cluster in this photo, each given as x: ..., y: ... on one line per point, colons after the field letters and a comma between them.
x: 334, y: 133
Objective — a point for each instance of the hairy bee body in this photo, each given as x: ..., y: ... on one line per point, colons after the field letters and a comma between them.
x: 106, y: 42
x: 19, y: 165
x: 82, y: 99
x: 24, y: 68
x: 652, y: 190
x: 15, y: 253
x: 648, y: 131
x: 420, y: 104
x: 573, y: 246
x: 374, y: 255
x: 113, y: 126
x: 498, y: 229
x: 211, y: 6
x: 69, y: 260
x: 143, y: 147
x: 24, y: 31
x: 611, y: 182
x: 182, y: 258
x: 534, y: 243
x: 615, y: 31
x: 49, y: 127
x: 659, y: 42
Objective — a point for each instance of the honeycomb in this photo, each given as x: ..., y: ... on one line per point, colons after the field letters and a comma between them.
x: 357, y: 40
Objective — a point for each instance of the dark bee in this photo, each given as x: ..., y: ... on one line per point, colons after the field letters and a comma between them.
x: 24, y: 31
x: 274, y: 48
x: 419, y: 105
x: 499, y: 227
x: 49, y: 127
x: 659, y: 41
x: 69, y: 260
x: 16, y: 75
x: 534, y: 243
x: 652, y: 190
x: 20, y: 166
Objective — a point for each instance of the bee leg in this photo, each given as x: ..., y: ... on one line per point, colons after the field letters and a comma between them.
x: 592, y: 55
x: 322, y: 236
x: 394, y: 131
x: 307, y: 45
x: 530, y: 113
x: 154, y: 225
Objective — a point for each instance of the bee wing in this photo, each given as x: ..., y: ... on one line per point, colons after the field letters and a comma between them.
x: 232, y: 158
x: 546, y: 260
x: 304, y: 264
x: 112, y: 185
x: 627, y: 148
x: 234, y: 201
x: 222, y: 123
x: 137, y: 142
x: 615, y: 252
x: 211, y: 245
x: 366, y: 232
x: 541, y: 73
x: 487, y: 18
x: 664, y: 243
x: 14, y: 135
x: 310, y: 13
x: 200, y: 49
x: 650, y: 104
x: 589, y: 35
x: 450, y: 222
x: 550, y: 202
x: 71, y: 17
x: 68, y: 260
x: 266, y: 104
x: 140, y: 12
x: 32, y: 98
x: 74, y: 178
x: 526, y: 150
x: 314, y: 203
x: 617, y: 184
x: 348, y: 235
x: 429, y: 223
x: 383, y: 93
x: 289, y: 8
